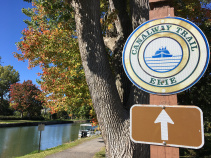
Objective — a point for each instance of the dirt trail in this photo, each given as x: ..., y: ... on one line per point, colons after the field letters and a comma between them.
x: 84, y: 150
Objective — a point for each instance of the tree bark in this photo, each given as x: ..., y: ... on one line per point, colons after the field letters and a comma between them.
x: 139, y: 12
x: 123, y: 27
x: 113, y: 118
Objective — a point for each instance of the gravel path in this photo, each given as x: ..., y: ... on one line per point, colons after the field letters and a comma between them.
x: 84, y: 150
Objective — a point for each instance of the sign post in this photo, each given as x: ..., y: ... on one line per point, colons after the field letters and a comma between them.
x: 164, y: 56
x: 163, y: 151
x: 41, y: 127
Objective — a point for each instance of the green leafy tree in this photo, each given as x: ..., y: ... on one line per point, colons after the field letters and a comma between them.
x: 5, y: 108
x: 8, y: 76
x: 196, y: 11
x: 24, y: 97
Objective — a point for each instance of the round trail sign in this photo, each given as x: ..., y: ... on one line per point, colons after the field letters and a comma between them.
x: 166, y: 56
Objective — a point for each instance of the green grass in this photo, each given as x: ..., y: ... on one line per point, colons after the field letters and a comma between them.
x: 17, y: 121
x: 25, y: 121
x: 60, y: 148
x: 100, y: 154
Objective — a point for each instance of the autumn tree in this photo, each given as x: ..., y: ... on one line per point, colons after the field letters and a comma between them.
x: 24, y: 97
x: 49, y: 41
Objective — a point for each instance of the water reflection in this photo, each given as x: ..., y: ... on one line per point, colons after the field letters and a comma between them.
x: 18, y: 141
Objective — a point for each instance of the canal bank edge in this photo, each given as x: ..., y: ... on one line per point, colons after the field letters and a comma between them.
x: 41, y: 122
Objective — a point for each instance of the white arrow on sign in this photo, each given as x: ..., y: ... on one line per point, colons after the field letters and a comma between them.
x: 164, y: 119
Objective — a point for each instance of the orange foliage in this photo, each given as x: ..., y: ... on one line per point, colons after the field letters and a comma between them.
x: 54, y: 48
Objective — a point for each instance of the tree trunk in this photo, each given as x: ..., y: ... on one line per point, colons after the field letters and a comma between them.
x: 139, y: 12
x: 113, y: 118
x: 123, y: 27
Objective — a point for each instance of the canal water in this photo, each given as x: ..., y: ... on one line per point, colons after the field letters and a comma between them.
x: 18, y: 141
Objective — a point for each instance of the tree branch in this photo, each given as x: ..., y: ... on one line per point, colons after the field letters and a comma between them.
x: 110, y: 42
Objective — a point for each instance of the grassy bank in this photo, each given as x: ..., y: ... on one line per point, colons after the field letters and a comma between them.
x: 100, y: 154
x: 60, y: 148
x: 26, y: 121
x: 17, y: 121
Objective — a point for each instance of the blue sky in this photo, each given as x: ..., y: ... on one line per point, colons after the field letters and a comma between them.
x: 11, y: 25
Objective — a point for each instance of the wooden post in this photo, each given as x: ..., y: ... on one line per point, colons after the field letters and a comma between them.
x: 161, y: 151
x: 160, y: 9
x: 39, y: 142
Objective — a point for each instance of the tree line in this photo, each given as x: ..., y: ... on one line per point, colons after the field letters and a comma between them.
x: 27, y: 99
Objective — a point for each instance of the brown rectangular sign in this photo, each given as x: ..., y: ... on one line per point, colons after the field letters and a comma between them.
x: 177, y: 126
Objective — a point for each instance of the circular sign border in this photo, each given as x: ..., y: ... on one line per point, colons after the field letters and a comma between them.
x: 195, y: 80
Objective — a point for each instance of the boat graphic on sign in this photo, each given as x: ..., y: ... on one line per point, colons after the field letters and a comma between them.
x: 163, y: 60
x: 162, y: 53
